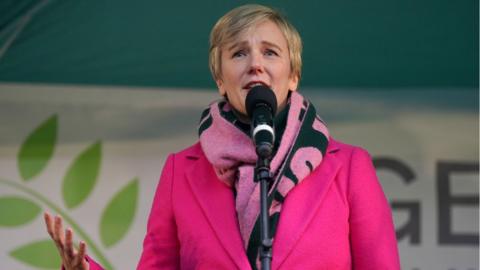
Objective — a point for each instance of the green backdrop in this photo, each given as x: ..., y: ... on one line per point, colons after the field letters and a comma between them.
x: 375, y: 43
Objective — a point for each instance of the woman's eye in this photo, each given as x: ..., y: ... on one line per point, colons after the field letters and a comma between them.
x: 238, y: 54
x: 271, y: 53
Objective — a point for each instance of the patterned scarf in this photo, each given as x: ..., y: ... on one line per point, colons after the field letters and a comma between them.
x: 228, y: 147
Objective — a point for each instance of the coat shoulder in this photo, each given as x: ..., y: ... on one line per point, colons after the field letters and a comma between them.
x: 193, y: 152
x: 345, y: 150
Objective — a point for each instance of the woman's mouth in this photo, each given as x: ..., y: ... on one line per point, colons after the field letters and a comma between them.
x: 252, y: 84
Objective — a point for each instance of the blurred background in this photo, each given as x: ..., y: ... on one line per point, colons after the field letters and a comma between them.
x: 95, y: 94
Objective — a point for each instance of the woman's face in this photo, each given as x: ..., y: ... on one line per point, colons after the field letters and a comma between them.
x: 258, y: 56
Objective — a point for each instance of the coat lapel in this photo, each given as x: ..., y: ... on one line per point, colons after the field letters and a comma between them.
x: 301, y: 209
x: 218, y: 204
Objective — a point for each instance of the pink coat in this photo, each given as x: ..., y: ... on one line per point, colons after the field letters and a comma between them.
x: 337, y: 218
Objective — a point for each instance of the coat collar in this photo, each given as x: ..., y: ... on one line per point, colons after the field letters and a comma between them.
x: 218, y: 204
x: 301, y: 205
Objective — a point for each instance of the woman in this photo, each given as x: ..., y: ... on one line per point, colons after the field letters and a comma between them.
x: 327, y: 208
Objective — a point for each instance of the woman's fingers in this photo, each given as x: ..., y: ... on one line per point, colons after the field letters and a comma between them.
x: 49, y: 223
x: 69, y: 250
x: 64, y: 241
x: 80, y: 256
x: 58, y: 232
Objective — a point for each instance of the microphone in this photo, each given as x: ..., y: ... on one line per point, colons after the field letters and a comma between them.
x: 261, y: 105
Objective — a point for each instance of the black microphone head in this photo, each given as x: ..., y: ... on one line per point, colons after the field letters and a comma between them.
x: 260, y: 95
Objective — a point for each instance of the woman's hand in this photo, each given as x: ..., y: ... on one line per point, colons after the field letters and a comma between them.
x: 71, y: 258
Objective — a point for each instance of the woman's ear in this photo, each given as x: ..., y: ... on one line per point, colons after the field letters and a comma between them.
x: 221, y: 90
x: 293, y: 83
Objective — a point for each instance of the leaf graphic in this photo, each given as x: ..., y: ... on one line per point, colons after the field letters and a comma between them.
x: 82, y: 176
x: 37, y: 149
x: 118, y: 215
x: 15, y: 211
x: 40, y: 254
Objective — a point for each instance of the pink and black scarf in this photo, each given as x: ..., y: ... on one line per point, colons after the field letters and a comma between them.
x: 228, y: 146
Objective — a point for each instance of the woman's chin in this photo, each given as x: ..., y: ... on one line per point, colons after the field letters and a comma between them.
x: 241, y: 115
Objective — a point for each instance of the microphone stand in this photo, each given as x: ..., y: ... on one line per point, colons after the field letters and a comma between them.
x: 262, y: 175
x: 261, y: 105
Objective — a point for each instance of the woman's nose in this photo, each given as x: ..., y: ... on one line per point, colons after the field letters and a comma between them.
x: 256, y: 63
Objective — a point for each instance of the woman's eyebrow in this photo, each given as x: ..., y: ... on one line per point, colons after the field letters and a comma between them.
x: 268, y: 43
x: 237, y: 44
x: 243, y: 43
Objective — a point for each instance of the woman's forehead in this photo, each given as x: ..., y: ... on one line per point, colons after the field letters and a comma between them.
x: 241, y: 37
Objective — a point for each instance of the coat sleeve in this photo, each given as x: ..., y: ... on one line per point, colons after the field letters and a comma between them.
x: 161, y: 245
x: 372, y: 233
x: 93, y: 264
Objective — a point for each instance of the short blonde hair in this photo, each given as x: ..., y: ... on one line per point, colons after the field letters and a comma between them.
x: 241, y: 19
